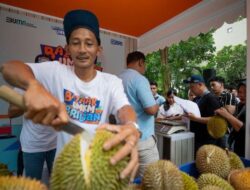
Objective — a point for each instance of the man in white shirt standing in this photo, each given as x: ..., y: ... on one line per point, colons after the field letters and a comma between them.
x: 57, y: 93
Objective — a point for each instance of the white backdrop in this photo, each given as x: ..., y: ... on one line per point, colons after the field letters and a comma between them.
x: 23, y: 33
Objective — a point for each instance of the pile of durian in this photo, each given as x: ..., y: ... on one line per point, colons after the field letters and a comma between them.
x: 10, y: 182
x: 219, y: 170
x: 4, y: 171
x: 20, y: 183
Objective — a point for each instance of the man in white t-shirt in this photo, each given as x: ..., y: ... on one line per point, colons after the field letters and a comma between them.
x: 56, y: 93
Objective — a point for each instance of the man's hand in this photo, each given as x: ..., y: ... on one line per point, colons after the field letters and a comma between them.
x: 130, y: 135
x: 42, y: 107
x: 191, y: 116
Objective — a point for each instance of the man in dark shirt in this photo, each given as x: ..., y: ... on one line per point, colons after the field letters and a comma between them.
x: 237, y: 121
x: 207, y: 103
x: 227, y: 99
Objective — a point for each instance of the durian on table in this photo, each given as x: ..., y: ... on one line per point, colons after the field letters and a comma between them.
x: 4, y: 171
x: 162, y: 175
x: 20, y: 183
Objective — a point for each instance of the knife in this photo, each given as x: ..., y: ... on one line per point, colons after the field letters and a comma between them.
x: 11, y: 96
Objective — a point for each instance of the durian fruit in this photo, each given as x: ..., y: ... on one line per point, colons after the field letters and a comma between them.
x: 212, y: 179
x: 235, y: 161
x: 189, y: 182
x: 240, y: 179
x: 211, y: 187
x: 162, y: 175
x: 84, y: 165
x: 4, y: 171
x: 217, y: 127
x: 20, y: 183
x: 212, y: 159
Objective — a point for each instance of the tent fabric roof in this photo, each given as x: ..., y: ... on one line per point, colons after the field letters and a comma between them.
x: 128, y: 17
x: 198, y: 19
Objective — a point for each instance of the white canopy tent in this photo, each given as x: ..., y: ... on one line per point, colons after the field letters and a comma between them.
x: 201, y: 18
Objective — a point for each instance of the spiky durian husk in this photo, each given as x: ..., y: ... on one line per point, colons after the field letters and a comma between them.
x: 235, y: 161
x: 211, y: 187
x: 212, y: 159
x: 189, y: 182
x: 4, y: 171
x: 20, y: 183
x: 97, y: 172
x: 217, y: 127
x: 240, y: 179
x: 67, y: 171
x: 162, y: 175
x: 108, y: 178
x: 212, y: 179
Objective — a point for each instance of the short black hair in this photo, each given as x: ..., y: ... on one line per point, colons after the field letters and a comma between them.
x: 135, y: 56
x: 171, y: 91
x: 42, y: 57
x: 218, y: 79
x: 153, y: 83
x: 242, y: 82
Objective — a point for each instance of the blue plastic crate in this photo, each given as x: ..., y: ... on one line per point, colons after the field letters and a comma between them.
x: 190, y: 168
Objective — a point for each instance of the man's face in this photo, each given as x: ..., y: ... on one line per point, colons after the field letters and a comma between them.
x: 242, y: 94
x: 216, y: 87
x: 191, y: 95
x: 153, y: 89
x: 170, y: 99
x: 195, y: 88
x: 83, y: 48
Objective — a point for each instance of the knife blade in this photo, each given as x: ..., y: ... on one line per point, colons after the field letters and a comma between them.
x: 11, y: 96
x: 72, y: 128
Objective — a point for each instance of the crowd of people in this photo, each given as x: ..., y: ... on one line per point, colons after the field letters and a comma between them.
x: 211, y: 100
x: 52, y: 91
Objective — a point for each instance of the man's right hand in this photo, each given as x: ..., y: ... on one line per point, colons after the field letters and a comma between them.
x: 42, y: 107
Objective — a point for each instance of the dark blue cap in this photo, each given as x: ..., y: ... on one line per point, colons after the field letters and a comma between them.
x: 194, y: 79
x: 80, y: 18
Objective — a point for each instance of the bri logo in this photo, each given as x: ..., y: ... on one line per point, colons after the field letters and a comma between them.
x: 20, y: 22
x: 58, y: 30
x: 116, y: 42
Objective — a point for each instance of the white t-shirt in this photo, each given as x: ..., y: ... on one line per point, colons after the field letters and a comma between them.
x: 173, y: 110
x: 88, y: 103
x: 188, y: 106
x: 35, y: 137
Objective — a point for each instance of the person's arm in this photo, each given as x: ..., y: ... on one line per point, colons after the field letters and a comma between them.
x: 212, y: 103
x: 126, y: 132
x: 152, y: 110
x: 230, y: 108
x: 202, y: 120
x: 236, y: 123
x: 41, y: 106
x: 17, y: 74
x: 14, y: 111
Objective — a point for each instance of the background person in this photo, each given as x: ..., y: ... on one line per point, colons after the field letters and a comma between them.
x: 227, y: 99
x: 207, y: 103
x: 158, y: 98
x: 170, y: 109
x: 237, y: 121
x: 141, y: 98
